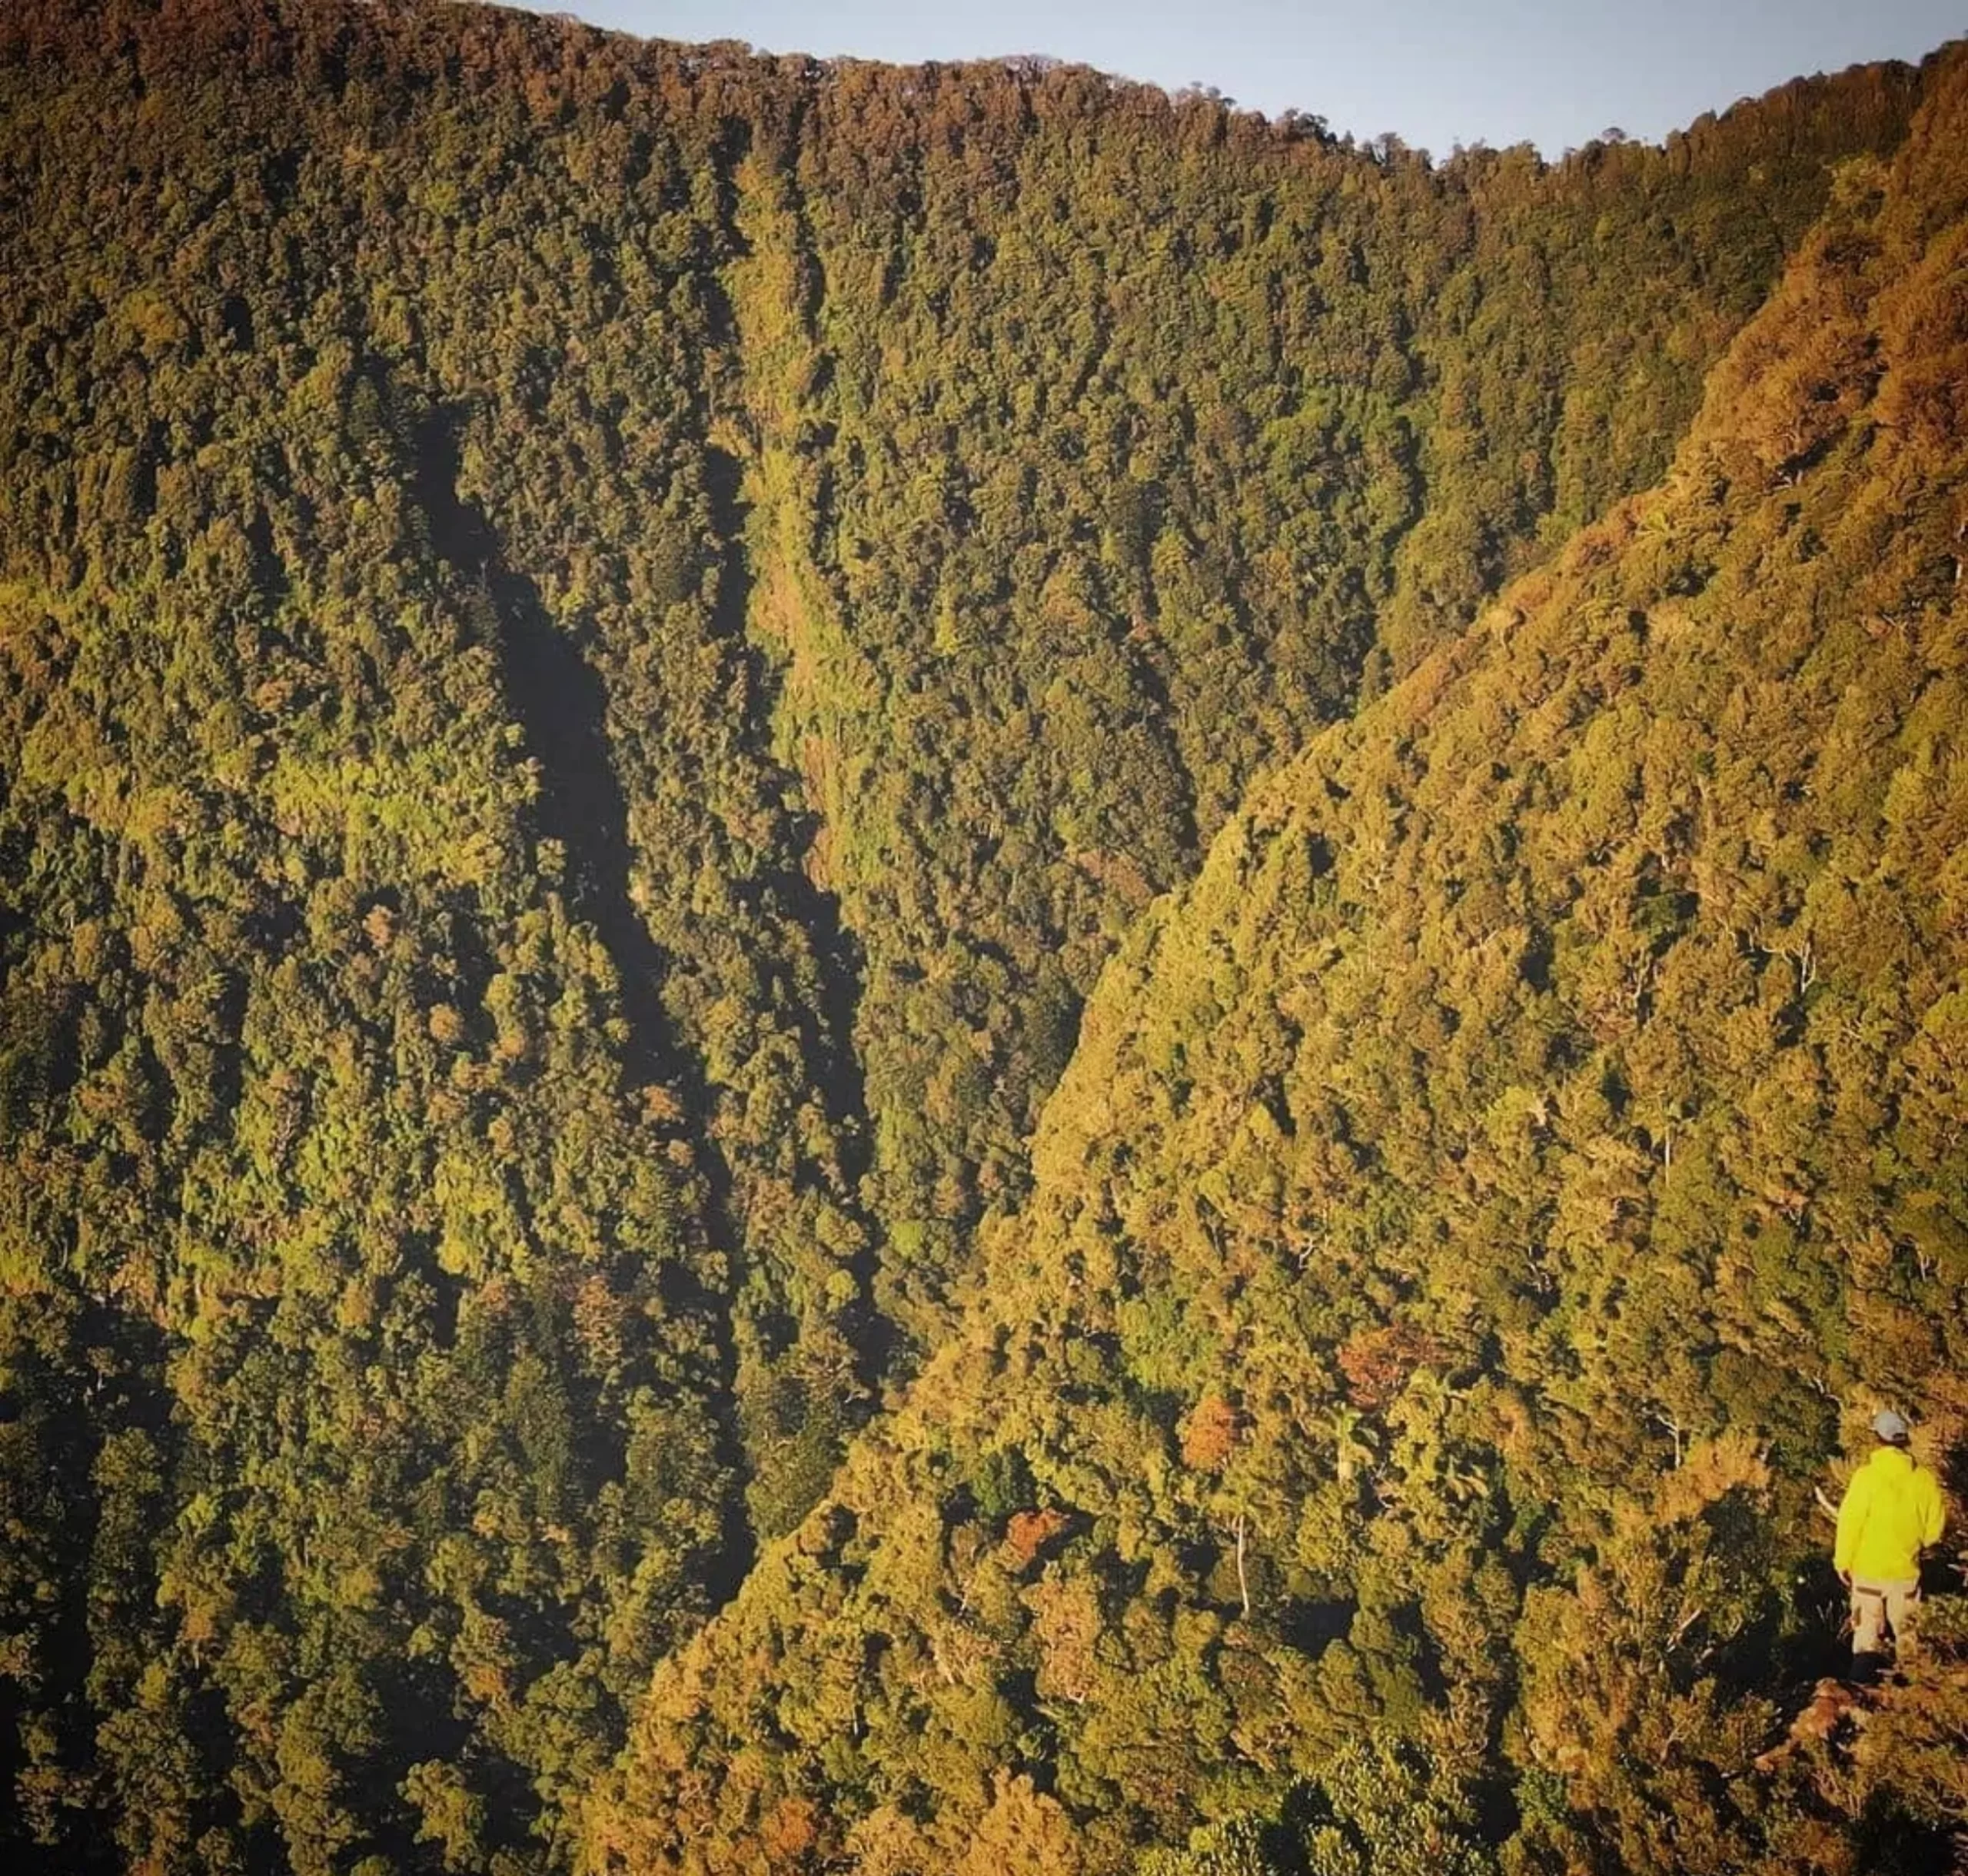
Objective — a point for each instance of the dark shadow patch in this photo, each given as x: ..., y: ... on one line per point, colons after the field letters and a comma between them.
x: 1534, y: 966
x: 270, y: 575
x: 1311, y: 1627
x: 236, y: 317
x: 560, y: 702
x: 103, y: 1381
x: 228, y: 1070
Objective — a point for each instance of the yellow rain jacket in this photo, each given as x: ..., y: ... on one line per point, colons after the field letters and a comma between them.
x: 1892, y: 1509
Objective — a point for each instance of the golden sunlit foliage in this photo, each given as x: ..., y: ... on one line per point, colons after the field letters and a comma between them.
x: 1480, y: 1208
x: 601, y: 644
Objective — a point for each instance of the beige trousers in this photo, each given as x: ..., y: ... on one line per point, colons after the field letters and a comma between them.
x: 1879, y: 1607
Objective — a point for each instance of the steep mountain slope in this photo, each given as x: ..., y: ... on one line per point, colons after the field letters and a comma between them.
x: 958, y: 484
x: 363, y: 1355
x: 597, y: 643
x: 1099, y: 448
x: 1479, y: 1210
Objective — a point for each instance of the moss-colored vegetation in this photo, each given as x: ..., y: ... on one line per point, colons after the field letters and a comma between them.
x: 1482, y: 1207
x: 599, y: 643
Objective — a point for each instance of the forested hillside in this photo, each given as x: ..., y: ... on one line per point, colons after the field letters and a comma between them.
x: 600, y: 643
x: 1480, y: 1210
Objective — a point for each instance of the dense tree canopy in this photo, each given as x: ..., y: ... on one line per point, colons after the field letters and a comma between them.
x: 600, y: 643
x: 1481, y: 1208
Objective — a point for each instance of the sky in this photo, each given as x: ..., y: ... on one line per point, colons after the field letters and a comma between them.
x: 1436, y: 73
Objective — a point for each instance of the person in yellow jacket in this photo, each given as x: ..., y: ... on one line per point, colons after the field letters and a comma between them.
x: 1892, y: 1512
